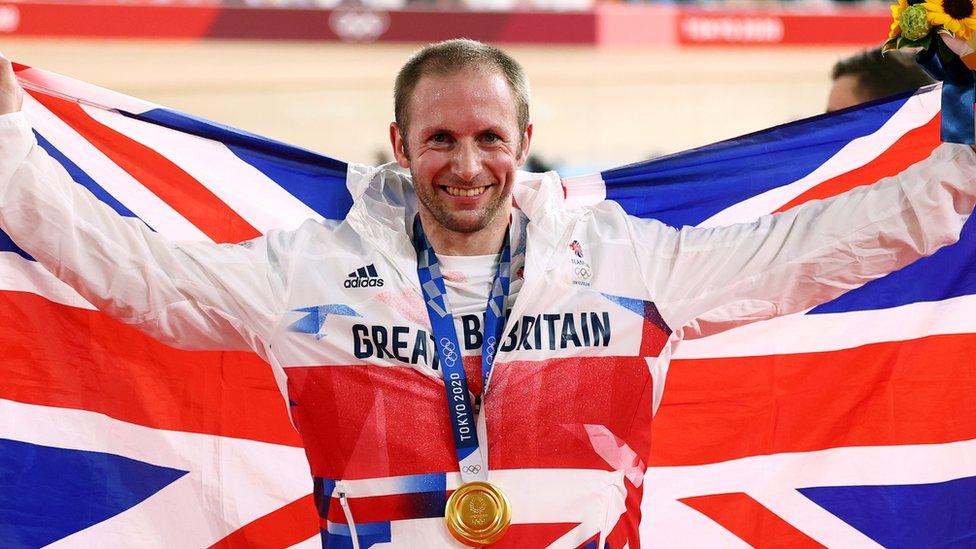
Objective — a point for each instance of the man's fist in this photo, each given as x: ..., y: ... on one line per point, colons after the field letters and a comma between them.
x: 11, y: 94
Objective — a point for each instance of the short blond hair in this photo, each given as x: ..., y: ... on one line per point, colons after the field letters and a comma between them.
x: 450, y: 57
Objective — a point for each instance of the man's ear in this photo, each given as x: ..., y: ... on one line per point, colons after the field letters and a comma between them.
x: 524, y: 149
x: 399, y: 146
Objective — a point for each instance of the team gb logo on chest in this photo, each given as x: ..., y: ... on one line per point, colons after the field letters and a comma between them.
x: 582, y: 271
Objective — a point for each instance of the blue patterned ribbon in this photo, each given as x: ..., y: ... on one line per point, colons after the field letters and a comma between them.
x: 471, y: 461
x: 958, y: 93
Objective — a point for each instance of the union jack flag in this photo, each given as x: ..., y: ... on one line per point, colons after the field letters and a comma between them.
x: 576, y: 247
x: 853, y: 424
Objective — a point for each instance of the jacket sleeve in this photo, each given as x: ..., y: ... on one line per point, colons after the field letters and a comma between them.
x: 197, y: 295
x: 712, y: 279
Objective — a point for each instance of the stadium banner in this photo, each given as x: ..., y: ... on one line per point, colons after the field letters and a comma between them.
x: 771, y: 27
x: 605, y: 25
x: 352, y: 24
x: 848, y: 425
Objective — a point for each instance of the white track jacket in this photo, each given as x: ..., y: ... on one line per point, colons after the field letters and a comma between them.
x: 336, y: 310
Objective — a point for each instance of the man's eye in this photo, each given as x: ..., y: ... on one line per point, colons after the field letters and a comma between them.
x: 439, y: 138
x: 492, y: 137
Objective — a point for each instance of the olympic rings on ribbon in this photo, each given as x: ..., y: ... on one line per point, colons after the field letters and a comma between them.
x: 450, y: 355
x: 490, y: 348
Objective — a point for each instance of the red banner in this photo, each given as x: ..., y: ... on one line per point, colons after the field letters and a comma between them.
x: 606, y: 25
x: 770, y: 27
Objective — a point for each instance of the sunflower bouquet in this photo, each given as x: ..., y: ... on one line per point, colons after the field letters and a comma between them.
x: 944, y: 33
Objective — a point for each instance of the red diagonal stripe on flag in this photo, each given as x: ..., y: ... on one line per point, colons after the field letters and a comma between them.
x: 750, y: 521
x: 157, y: 173
x: 61, y: 356
x: 287, y: 526
x: 914, y: 146
x: 906, y: 392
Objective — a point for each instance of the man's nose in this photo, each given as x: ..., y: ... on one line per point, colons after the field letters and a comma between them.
x: 467, y: 161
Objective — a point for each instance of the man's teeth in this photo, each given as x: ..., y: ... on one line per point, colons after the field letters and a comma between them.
x: 462, y: 191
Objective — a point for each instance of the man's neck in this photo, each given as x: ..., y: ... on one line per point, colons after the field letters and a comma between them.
x: 447, y: 242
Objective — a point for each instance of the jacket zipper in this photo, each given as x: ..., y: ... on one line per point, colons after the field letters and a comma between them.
x: 344, y: 502
x: 545, y: 264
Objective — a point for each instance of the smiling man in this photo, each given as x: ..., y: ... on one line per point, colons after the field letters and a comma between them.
x: 462, y: 129
x: 500, y: 358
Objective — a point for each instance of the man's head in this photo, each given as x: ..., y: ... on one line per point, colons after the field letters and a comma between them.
x: 452, y: 56
x: 869, y: 75
x: 462, y: 129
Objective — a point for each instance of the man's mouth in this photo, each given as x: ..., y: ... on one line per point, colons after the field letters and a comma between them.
x: 465, y: 191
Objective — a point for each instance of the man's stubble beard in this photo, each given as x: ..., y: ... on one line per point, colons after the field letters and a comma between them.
x: 464, y: 223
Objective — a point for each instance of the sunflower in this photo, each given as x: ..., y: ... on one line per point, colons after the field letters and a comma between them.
x: 956, y: 16
x: 896, y: 11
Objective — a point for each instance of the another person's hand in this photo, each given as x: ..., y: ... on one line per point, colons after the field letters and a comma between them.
x: 11, y: 94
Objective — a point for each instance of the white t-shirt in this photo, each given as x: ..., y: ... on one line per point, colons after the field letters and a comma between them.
x: 468, y: 280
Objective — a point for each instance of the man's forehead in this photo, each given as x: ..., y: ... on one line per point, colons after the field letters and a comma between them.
x: 469, y: 95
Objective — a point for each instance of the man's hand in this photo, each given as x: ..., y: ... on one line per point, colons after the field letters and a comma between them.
x: 11, y: 94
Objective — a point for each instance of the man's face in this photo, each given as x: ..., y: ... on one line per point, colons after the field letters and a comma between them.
x: 462, y: 147
x: 844, y: 93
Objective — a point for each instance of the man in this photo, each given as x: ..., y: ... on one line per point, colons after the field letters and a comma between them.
x: 354, y: 322
x: 869, y: 75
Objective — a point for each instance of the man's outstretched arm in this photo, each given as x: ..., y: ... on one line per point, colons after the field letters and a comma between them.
x: 194, y: 295
x: 715, y: 279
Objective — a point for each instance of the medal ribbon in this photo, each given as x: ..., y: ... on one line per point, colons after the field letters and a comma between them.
x: 471, y: 460
x: 958, y: 92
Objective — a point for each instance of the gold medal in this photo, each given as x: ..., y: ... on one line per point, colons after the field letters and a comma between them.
x: 477, y: 514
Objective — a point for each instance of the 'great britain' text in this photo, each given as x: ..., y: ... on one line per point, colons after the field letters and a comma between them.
x: 548, y: 331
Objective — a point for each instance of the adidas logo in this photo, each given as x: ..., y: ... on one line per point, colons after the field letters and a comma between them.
x: 364, y: 277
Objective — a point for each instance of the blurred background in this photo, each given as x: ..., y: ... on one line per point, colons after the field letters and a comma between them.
x: 612, y: 82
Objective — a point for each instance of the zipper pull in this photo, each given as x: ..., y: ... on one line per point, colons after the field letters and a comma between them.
x: 344, y: 502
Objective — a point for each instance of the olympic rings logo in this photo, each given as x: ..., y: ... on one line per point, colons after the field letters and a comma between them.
x: 450, y: 354
x: 490, y: 346
x: 583, y: 272
x: 359, y: 24
x: 471, y: 469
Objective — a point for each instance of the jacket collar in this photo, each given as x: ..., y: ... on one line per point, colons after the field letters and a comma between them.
x: 384, y: 204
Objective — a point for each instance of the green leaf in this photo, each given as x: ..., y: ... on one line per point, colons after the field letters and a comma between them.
x: 945, y: 54
x: 924, y: 42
